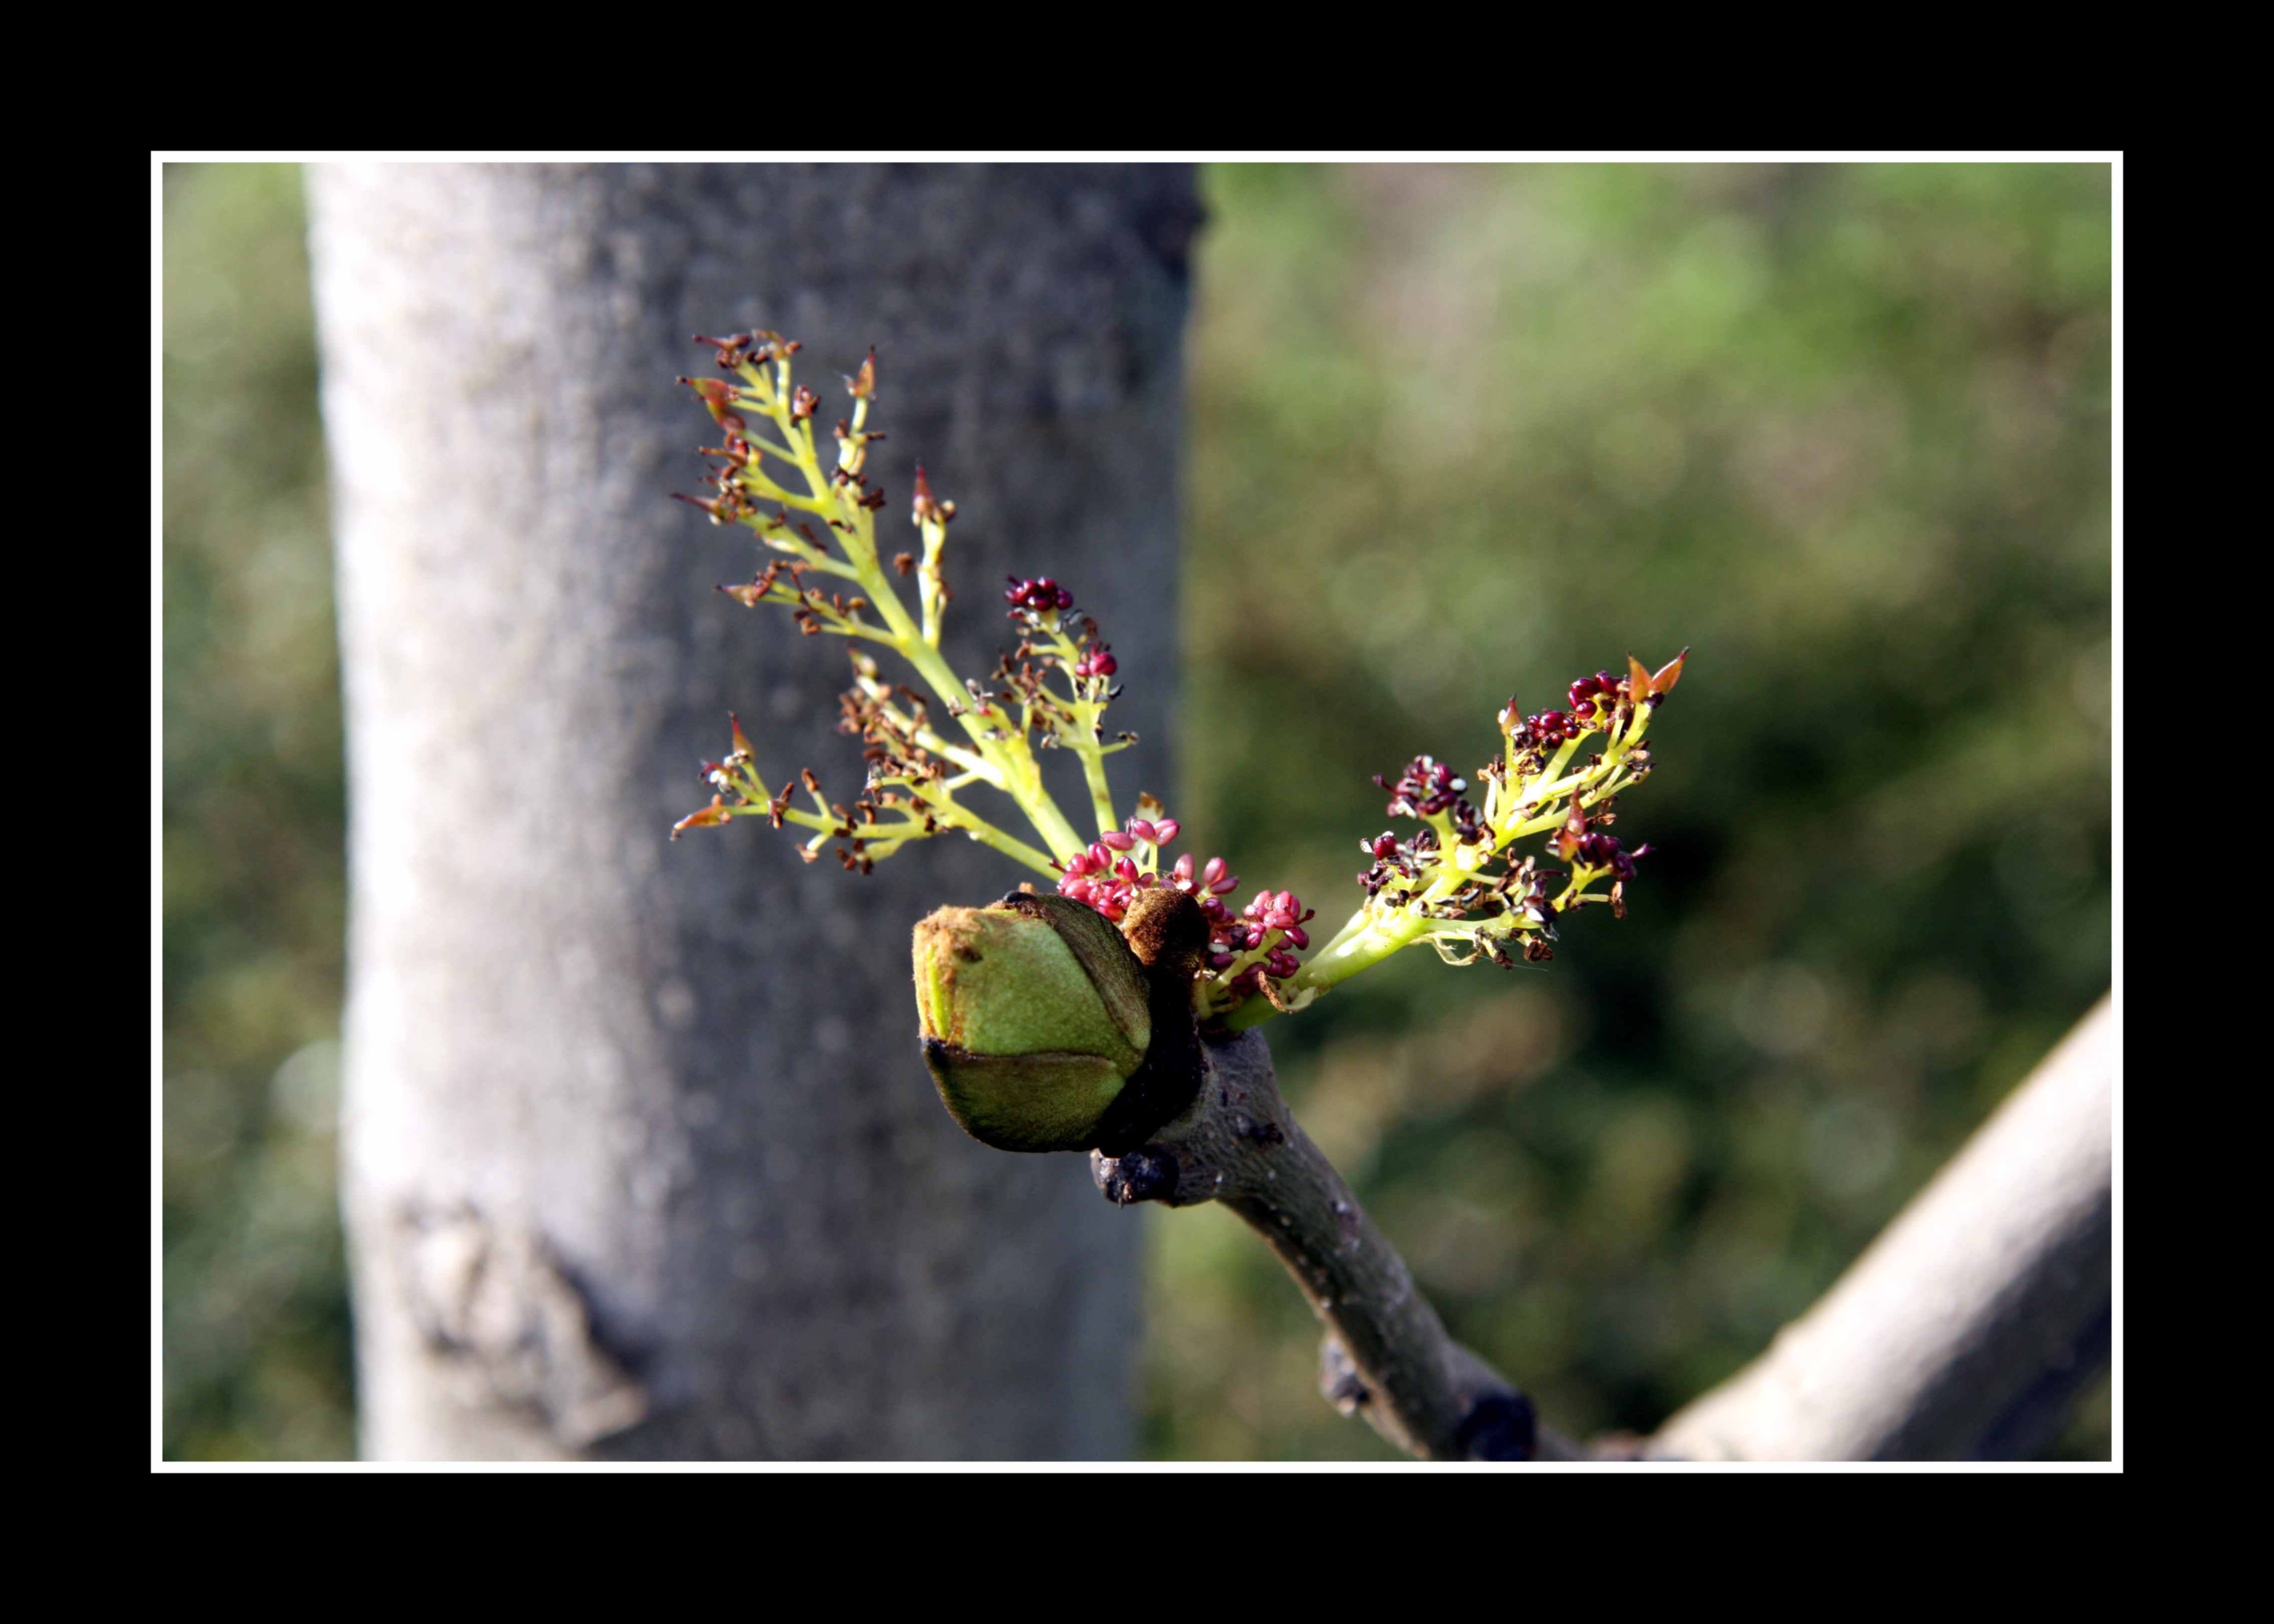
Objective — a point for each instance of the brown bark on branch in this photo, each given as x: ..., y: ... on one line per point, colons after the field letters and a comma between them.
x: 1960, y: 1333
x: 1387, y: 1357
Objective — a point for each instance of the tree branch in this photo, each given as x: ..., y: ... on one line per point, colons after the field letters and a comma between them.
x: 1962, y: 1333
x: 1387, y: 1357
x: 1963, y: 1329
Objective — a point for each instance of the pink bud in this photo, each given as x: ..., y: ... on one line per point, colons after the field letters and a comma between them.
x: 1117, y: 840
x: 1168, y: 828
x: 1141, y: 829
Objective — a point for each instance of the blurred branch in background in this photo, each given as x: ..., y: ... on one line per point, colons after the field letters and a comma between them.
x: 1967, y: 1328
x: 1962, y: 1334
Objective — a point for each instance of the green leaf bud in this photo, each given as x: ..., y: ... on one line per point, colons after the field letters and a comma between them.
x: 1034, y: 1013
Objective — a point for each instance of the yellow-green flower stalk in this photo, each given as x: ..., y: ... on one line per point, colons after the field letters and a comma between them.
x: 1456, y: 882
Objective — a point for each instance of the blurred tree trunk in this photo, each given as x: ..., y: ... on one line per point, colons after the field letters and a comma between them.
x: 641, y: 1160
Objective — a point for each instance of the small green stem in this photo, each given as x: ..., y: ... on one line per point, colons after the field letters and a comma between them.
x: 1371, y: 936
x: 952, y: 816
x: 1100, y: 793
x: 1019, y: 776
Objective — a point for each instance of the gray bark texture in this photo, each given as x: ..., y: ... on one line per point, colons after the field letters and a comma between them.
x: 641, y: 1158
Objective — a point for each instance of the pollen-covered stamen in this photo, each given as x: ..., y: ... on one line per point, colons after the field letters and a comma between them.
x: 733, y: 350
x: 1603, y: 852
x: 721, y: 399
x: 1401, y: 862
x: 928, y: 509
x: 727, y: 508
x: 1427, y: 787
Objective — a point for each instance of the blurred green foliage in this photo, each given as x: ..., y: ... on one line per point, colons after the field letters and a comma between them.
x: 255, y: 1294
x: 1456, y: 432
x: 1464, y: 432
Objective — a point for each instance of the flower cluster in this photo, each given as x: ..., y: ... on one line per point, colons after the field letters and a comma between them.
x: 1257, y: 952
x: 1602, y: 852
x: 1031, y: 600
x: 1396, y: 861
x: 1119, y: 864
x: 1426, y: 786
x: 1454, y: 883
x: 1049, y: 692
x: 916, y: 775
x: 1247, y: 954
x: 1054, y: 641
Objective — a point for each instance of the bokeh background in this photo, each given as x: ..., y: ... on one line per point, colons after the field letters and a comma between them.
x: 1456, y: 433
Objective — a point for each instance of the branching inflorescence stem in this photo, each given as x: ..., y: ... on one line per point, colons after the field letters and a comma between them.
x: 912, y: 792
x: 1045, y: 1029
x: 1455, y: 884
